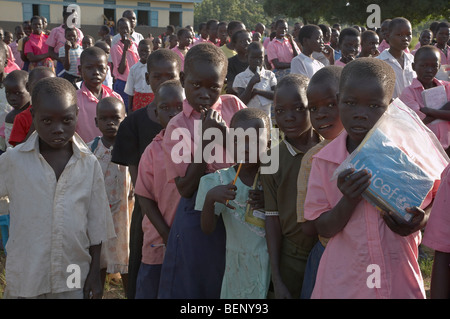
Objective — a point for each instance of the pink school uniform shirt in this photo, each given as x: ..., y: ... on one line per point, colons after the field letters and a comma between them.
x: 339, y: 63
x: 57, y: 37
x: 177, y: 51
x: 281, y: 50
x: 412, y: 97
x: 16, y: 54
x: 87, y: 104
x: 152, y: 183
x: 36, y: 44
x: 185, y: 123
x: 131, y: 59
x: 445, y: 59
x: 365, y: 240
x: 437, y: 232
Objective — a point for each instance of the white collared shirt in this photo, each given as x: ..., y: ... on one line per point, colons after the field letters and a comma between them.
x: 136, y: 80
x: 303, y: 64
x: 268, y: 80
x: 403, y: 76
x: 53, y: 222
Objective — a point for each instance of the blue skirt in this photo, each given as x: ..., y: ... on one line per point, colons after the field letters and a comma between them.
x: 194, y: 263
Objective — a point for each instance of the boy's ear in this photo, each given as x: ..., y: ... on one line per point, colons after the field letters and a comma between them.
x: 147, y: 78
x: 79, y: 68
x: 96, y: 121
x: 413, y: 65
x: 182, y: 77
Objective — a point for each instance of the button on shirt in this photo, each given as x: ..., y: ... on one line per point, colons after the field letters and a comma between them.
x: 53, y: 222
x: 403, y: 76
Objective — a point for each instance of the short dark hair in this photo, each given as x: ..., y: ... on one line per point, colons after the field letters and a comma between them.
x: 306, y: 32
x: 92, y: 51
x: 279, y: 21
x: 366, y: 34
x: 233, y: 25
x: 183, y: 31
x: 237, y: 34
x: 205, y: 52
x: 70, y: 30
x: 169, y: 83
x: 251, y: 113
x: 397, y: 21
x: 348, y: 32
x: 54, y: 86
x: 255, y: 45
x: 110, y: 100
x: 298, y: 80
x: 329, y: 75
x: 17, y: 76
x: 425, y: 49
x: 163, y: 55
x: 442, y: 25
x: 369, y: 68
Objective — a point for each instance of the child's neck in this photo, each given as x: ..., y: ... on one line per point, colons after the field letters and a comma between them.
x: 181, y: 48
x: 143, y: 61
x: 441, y: 46
x: 398, y: 54
x: 242, y: 56
x: 427, y: 85
x: 307, y: 51
x: 305, y: 141
x: 97, y: 91
x: 108, y: 141
x: 248, y: 173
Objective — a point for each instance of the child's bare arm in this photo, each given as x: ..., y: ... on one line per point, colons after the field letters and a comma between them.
x: 93, y: 288
x: 219, y: 194
x: 443, y: 113
x: 440, y: 277
x: 352, y: 185
x: 150, y: 209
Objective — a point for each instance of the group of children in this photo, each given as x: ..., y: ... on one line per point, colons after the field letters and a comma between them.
x: 134, y: 183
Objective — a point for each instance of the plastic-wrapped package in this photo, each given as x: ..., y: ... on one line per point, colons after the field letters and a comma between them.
x: 404, y: 157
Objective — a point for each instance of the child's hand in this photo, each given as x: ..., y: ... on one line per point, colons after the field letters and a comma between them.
x: 126, y: 44
x: 352, y: 184
x: 68, y: 45
x: 255, y: 79
x: 256, y: 198
x: 212, y: 118
x: 328, y: 51
x: 402, y: 227
x: 375, y: 53
x: 223, y: 193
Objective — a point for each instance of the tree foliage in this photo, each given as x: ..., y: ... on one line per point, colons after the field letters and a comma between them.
x: 249, y: 12
x: 354, y: 12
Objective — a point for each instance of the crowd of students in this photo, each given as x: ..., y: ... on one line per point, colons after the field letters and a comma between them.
x: 92, y: 172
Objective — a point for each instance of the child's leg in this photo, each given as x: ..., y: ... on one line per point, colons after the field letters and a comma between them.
x: 124, y: 278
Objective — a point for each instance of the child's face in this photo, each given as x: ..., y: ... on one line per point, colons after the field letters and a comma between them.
x: 256, y: 37
x: 334, y: 40
x: 36, y: 26
x: 109, y: 116
x: 370, y: 44
x: 350, y: 46
x: 93, y: 70
x: 203, y: 32
x: 222, y: 33
x: 124, y: 29
x: 173, y: 41
x: 262, y: 144
x: 212, y: 31
x: 291, y: 112
x: 442, y: 36
x: 185, y: 39
x: 27, y: 28
x: 400, y: 36
x: 144, y: 51
x: 361, y: 103
x: 169, y: 104
x: 427, y: 66
x: 323, y: 110
x: 281, y: 30
x: 156, y: 43
x: 255, y: 58
x: 242, y: 42
x: 425, y: 38
x: 203, y: 85
x: 8, y: 38
x: 87, y: 43
x: 161, y: 72
x: 55, y: 119
x: 20, y: 34
x: 72, y: 37
x: 17, y: 94
x: 316, y: 42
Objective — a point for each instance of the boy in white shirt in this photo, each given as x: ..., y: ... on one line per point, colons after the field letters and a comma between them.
x: 140, y: 94
x: 56, y: 231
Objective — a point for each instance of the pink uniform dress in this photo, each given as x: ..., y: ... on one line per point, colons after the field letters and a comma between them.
x: 437, y: 232
x: 364, y: 244
x: 152, y: 183
x: 412, y: 97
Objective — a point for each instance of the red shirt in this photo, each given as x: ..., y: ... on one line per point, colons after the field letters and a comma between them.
x: 21, y: 126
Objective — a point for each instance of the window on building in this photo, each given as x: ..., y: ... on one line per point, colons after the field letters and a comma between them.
x: 175, y: 15
x: 109, y: 11
x: 143, y: 13
x: 29, y: 10
x: 154, y: 18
